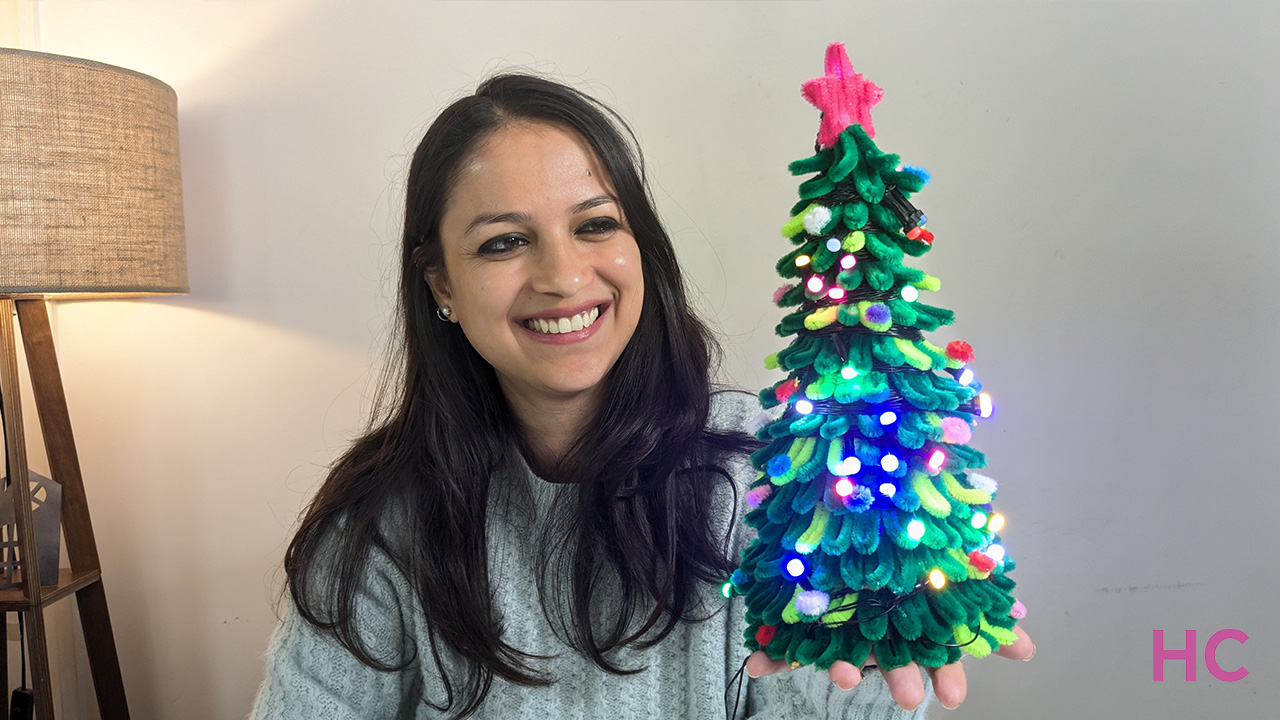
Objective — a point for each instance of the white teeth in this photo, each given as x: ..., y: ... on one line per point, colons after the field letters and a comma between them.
x: 556, y: 326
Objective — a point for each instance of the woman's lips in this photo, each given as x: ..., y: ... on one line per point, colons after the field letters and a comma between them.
x: 572, y: 336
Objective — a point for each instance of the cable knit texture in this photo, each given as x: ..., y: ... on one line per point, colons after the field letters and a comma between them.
x: 311, y: 677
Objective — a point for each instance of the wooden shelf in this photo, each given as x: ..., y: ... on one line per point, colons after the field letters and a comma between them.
x: 69, y: 581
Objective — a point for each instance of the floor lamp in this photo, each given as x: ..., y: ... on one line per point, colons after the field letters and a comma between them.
x: 90, y: 207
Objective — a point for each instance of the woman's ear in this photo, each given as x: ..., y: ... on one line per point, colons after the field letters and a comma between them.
x: 439, y: 284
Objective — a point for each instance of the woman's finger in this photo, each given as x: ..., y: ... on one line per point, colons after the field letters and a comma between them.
x: 949, y: 684
x: 844, y: 675
x: 906, y: 686
x: 759, y: 664
x: 1022, y: 649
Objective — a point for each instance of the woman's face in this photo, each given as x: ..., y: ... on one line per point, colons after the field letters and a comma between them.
x: 540, y: 267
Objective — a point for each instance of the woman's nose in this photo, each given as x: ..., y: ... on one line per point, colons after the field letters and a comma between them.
x: 562, y: 267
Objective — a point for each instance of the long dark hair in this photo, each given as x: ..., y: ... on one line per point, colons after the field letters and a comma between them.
x: 645, y: 469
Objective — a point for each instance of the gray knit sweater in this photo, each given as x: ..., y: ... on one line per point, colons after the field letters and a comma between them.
x: 310, y: 677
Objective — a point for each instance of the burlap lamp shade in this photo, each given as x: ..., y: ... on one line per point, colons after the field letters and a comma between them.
x: 90, y: 183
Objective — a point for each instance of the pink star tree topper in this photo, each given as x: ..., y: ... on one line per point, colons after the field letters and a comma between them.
x: 843, y: 96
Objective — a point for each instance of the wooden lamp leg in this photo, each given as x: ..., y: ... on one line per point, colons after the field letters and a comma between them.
x: 4, y: 668
x: 16, y: 452
x: 64, y: 465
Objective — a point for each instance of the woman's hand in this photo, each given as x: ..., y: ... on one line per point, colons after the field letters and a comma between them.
x: 905, y: 683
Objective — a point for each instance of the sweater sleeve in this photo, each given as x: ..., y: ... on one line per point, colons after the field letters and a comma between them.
x: 310, y: 676
x: 805, y: 692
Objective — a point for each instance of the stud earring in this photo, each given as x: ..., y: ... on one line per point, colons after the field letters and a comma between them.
x: 444, y: 313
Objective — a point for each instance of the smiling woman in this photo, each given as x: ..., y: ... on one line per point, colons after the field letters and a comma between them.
x: 539, y: 524
x: 542, y: 273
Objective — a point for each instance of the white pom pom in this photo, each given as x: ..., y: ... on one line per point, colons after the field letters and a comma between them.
x: 816, y: 219
x: 982, y: 482
x: 812, y: 603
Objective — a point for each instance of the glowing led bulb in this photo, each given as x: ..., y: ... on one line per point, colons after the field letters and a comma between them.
x: 844, y: 487
x: 726, y: 589
x: 815, y: 284
x: 888, y: 417
x: 910, y: 293
x: 997, y: 522
x: 979, y: 519
x: 995, y: 552
x: 848, y: 261
x: 795, y: 567
x: 937, y: 579
x: 804, y: 407
x: 915, y: 529
x: 888, y: 490
x: 936, y: 458
x: 966, y: 376
x: 889, y: 463
x: 833, y: 244
x: 984, y: 405
x: 849, y: 466
x: 836, y: 293
x: 848, y: 373
x: 802, y: 260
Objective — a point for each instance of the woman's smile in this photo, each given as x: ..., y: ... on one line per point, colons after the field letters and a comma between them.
x: 562, y: 327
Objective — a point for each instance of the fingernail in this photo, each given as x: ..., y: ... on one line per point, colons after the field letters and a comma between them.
x: 1033, y: 653
x: 949, y: 707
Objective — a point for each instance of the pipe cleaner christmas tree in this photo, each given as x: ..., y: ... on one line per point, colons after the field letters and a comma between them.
x: 873, y: 531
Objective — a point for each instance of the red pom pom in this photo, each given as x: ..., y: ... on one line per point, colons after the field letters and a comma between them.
x: 787, y: 389
x: 981, y: 561
x: 764, y: 634
x: 960, y: 350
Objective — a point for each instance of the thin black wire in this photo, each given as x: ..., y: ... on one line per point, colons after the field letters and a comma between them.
x: 906, y: 332
x: 22, y: 647
x: 894, y: 402
x: 737, y: 693
x: 890, y: 607
x: 4, y: 442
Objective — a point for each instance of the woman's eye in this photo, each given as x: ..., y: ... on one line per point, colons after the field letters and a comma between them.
x: 599, y: 226
x: 500, y: 245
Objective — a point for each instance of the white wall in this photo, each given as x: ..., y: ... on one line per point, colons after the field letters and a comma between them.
x: 1103, y: 202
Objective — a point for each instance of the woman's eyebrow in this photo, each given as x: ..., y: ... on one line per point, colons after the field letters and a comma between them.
x: 524, y: 217
x: 490, y: 218
x: 589, y: 203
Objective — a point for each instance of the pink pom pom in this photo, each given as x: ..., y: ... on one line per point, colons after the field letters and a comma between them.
x: 1019, y: 610
x: 777, y: 294
x: 955, y: 430
x: 812, y: 603
x: 757, y: 495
